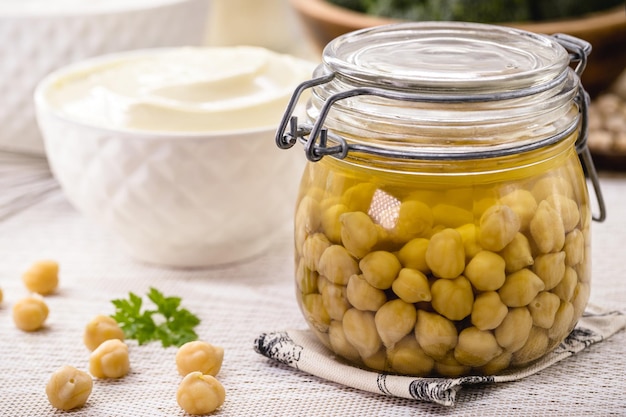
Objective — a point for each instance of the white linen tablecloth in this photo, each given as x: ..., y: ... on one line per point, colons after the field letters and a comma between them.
x: 236, y: 304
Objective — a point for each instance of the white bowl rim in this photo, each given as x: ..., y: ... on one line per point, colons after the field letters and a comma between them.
x: 42, y: 105
x: 119, y: 8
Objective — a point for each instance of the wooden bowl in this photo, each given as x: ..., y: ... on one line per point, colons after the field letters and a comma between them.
x: 606, y: 31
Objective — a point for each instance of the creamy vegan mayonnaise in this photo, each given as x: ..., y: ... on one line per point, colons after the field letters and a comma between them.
x: 193, y: 89
x: 65, y: 7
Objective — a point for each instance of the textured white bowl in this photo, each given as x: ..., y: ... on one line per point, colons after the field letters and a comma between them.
x: 174, y: 199
x: 34, y: 43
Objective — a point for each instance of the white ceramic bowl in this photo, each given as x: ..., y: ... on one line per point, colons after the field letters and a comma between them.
x: 39, y: 36
x: 174, y: 199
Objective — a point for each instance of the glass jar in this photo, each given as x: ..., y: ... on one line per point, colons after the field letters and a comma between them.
x: 443, y: 221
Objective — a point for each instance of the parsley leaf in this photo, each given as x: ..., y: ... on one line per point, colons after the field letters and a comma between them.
x: 174, y: 326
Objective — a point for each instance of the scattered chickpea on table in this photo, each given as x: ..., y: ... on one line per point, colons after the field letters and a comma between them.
x: 68, y: 388
x: 42, y: 277
x: 109, y: 359
x: 100, y: 329
x: 30, y: 313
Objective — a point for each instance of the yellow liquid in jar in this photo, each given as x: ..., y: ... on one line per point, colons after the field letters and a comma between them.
x: 471, y: 267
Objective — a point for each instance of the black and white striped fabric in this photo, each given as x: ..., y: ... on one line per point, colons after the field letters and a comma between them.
x: 300, y: 349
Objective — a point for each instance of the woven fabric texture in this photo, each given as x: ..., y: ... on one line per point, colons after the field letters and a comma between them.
x: 236, y: 304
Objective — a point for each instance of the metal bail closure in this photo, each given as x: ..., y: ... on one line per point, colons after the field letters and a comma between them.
x: 579, y: 51
x: 584, y: 154
x: 285, y: 139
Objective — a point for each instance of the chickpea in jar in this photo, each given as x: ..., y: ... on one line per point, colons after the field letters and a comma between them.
x: 497, y: 291
x: 443, y: 221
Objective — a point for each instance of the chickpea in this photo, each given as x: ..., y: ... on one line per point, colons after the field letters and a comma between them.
x: 469, y: 236
x: 363, y: 296
x: 476, y: 347
x: 312, y: 250
x: 436, y: 229
x: 517, y: 254
x: 358, y: 233
x: 514, y: 330
x: 316, y: 193
x: 359, y: 197
x: 435, y: 334
x: 42, y: 277
x: 360, y: 330
x: 481, y: 205
x: 451, y: 216
x: 452, y: 298
x: 339, y: 343
x: 580, y: 298
x: 306, y: 279
x: 567, y: 209
x: 322, y: 334
x: 449, y: 366
x: 315, y: 312
x: 335, y: 300
x: 535, y: 347
x: 408, y: 358
x: 543, y: 309
x: 546, y: 228
x: 380, y: 269
x: 445, y: 254
x: 563, y: 321
x: 330, y: 222
x: 488, y: 311
x: 308, y: 214
x: 99, y: 329
x: 30, y: 313
x: 378, y: 361
x: 200, y: 394
x: 497, y: 364
x: 583, y: 271
x: 411, y: 286
x: 414, y: 219
x: 413, y: 255
x: 199, y: 356
x: 523, y: 203
x: 321, y: 283
x: 68, y: 388
x: 498, y: 226
x: 109, y: 360
x: 486, y: 271
x: 574, y: 247
x: 550, y: 268
x: 394, y: 320
x: 307, y: 220
x: 337, y: 265
x: 520, y: 288
x: 565, y: 289
x: 550, y: 185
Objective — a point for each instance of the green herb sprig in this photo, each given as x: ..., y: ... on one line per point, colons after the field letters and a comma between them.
x: 174, y: 326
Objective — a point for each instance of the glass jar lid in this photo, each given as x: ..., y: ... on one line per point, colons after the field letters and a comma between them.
x: 444, y: 92
x: 447, y: 56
